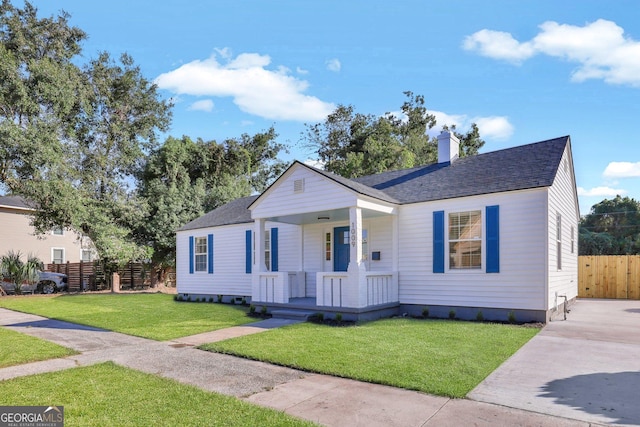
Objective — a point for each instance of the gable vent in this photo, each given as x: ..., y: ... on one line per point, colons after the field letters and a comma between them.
x: 298, y: 185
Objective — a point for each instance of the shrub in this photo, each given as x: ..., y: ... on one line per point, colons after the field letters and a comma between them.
x: 244, y: 301
x: 452, y: 314
x: 220, y: 298
x: 252, y: 309
x: 512, y: 317
x: 338, y: 317
x: 425, y: 312
x: 479, y: 316
x: 210, y: 299
x: 263, y: 311
x: 320, y: 316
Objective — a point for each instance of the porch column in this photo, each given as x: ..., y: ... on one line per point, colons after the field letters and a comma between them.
x: 395, y: 246
x: 258, y: 262
x: 355, y: 248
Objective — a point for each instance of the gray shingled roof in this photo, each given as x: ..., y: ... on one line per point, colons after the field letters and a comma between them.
x: 527, y: 166
x: 234, y: 212
x: 14, y: 201
x: 518, y: 168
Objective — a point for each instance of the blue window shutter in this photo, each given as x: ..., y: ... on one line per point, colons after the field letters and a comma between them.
x: 493, y: 239
x: 247, y: 252
x: 210, y: 252
x: 438, y: 242
x: 190, y: 254
x: 274, y: 249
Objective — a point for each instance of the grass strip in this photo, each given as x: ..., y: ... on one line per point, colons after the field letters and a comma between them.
x: 112, y: 395
x: 447, y: 358
x: 154, y: 316
x: 18, y: 348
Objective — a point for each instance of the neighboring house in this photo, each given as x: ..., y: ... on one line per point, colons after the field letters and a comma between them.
x: 55, y: 247
x: 495, y: 232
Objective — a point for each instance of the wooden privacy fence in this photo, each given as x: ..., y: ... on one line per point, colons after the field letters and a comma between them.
x: 89, y: 276
x: 609, y: 276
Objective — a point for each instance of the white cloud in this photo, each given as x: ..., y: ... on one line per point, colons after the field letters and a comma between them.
x: 301, y: 71
x: 600, y: 192
x: 495, y: 127
x: 203, y: 105
x: 334, y: 65
x: 272, y: 94
x: 600, y: 49
x: 622, y: 170
x: 490, y: 127
x: 314, y: 163
x: 498, y: 45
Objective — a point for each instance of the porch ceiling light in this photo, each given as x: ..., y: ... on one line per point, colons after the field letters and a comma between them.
x: 325, y: 218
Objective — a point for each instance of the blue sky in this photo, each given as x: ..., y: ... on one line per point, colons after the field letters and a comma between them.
x: 524, y: 71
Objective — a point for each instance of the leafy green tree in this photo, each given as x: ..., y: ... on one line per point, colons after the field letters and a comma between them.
x: 183, y: 179
x: 612, y: 227
x: 353, y: 144
x: 73, y: 138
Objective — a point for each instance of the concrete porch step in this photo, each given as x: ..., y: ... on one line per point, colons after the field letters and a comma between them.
x: 291, y: 314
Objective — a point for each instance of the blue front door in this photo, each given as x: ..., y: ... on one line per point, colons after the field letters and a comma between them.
x: 340, y: 248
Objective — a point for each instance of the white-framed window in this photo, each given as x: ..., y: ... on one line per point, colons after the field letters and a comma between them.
x: 465, y: 240
x: 86, y: 255
x: 573, y: 239
x: 267, y: 249
x: 559, y: 240
x: 365, y: 244
x: 57, y: 231
x: 57, y: 256
x: 200, y: 253
x: 327, y: 246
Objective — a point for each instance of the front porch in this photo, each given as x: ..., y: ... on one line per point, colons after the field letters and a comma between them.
x: 323, y: 243
x: 356, y: 295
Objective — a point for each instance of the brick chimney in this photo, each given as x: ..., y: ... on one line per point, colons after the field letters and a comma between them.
x: 448, y: 147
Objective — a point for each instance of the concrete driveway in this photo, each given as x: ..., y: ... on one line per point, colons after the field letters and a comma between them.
x: 585, y: 368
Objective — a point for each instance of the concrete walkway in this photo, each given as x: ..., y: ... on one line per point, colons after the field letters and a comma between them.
x: 585, y: 368
x: 324, y: 399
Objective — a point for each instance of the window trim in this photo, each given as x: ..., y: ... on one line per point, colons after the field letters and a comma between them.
x: 267, y: 249
x: 481, y: 218
x: 82, y: 251
x: 558, y: 241
x: 64, y: 255
x: 203, y: 267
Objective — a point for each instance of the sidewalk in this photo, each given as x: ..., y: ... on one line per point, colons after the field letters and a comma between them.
x: 324, y: 399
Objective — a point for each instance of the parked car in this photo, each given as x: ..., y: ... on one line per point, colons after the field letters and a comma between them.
x: 48, y: 283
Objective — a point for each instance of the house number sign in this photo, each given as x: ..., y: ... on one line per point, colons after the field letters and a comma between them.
x: 353, y: 235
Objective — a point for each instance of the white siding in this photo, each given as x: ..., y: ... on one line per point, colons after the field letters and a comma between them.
x: 562, y: 201
x: 319, y: 194
x: 229, y: 276
x: 521, y: 282
x: 380, y: 240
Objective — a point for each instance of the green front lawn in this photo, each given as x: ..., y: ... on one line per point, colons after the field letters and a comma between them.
x: 17, y: 348
x: 155, y: 316
x: 442, y: 357
x: 111, y: 395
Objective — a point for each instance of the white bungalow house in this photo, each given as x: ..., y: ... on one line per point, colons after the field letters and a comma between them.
x: 495, y: 232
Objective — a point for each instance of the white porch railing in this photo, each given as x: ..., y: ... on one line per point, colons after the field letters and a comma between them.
x: 356, y: 290
x: 331, y: 288
x: 279, y: 286
x: 382, y: 288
